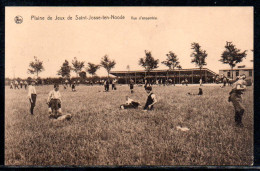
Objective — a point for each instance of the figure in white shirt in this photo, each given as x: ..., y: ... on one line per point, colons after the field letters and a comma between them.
x: 54, y: 102
x: 16, y: 84
x: 32, y: 96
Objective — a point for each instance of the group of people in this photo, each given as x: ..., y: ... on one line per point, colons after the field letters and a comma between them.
x: 107, y: 83
x: 54, y: 98
x: 15, y: 84
x: 149, y: 105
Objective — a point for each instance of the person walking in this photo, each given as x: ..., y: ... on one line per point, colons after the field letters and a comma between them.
x: 235, y: 97
x: 32, y: 96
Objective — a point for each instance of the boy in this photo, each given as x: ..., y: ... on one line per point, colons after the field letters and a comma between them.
x: 32, y: 96
x: 131, y: 86
x: 130, y: 103
x: 235, y: 97
x: 199, y: 94
x: 151, y: 99
x: 107, y: 85
x: 54, y: 102
x: 73, y: 86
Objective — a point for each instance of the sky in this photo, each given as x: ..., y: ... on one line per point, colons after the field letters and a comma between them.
x: 123, y: 40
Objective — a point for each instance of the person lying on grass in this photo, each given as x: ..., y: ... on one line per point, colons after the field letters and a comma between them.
x: 54, y: 102
x: 130, y: 104
x: 200, y: 92
x: 151, y: 99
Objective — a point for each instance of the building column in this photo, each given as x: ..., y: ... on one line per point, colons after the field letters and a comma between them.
x: 135, y: 77
x: 192, y: 77
x: 206, y: 79
x: 125, y: 78
x: 205, y: 75
x: 179, y: 77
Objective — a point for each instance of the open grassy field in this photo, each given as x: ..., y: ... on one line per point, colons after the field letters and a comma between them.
x: 101, y: 134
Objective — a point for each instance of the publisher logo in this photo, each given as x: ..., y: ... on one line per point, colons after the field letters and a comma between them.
x: 18, y: 19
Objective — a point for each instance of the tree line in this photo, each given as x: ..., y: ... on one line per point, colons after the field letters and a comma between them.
x: 231, y: 56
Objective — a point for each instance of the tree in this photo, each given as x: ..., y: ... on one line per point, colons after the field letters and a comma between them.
x: 148, y: 62
x: 171, y: 62
x: 82, y: 75
x: 198, y: 56
x: 77, y: 65
x: 92, y: 68
x: 65, y: 69
x: 107, y: 64
x: 36, y: 66
x: 232, y: 56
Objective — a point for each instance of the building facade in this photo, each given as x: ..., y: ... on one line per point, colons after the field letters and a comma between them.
x: 237, y: 71
x: 177, y: 75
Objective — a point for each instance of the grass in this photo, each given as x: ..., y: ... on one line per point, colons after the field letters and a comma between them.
x: 101, y: 134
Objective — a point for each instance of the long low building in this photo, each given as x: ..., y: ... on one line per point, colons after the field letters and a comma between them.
x: 177, y: 75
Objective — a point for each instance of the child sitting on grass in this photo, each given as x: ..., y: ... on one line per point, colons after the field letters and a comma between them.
x: 54, y: 102
x: 199, y: 94
x: 151, y: 99
x: 130, y: 104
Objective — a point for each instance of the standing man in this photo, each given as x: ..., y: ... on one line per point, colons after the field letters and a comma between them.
x: 114, y: 84
x: 151, y: 99
x: 11, y: 85
x: 32, y: 95
x: 224, y: 81
x: 238, y: 89
x: 25, y: 84
x: 21, y: 84
x: 186, y: 81
x: 16, y: 84
x: 107, y: 85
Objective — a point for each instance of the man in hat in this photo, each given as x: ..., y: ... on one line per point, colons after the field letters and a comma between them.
x: 32, y: 95
x: 151, y: 99
x: 238, y: 89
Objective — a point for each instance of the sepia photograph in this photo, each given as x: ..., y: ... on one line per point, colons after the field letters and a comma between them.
x: 129, y: 86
